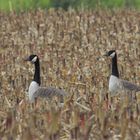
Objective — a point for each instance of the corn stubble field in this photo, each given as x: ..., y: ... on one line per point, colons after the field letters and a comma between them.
x: 69, y: 45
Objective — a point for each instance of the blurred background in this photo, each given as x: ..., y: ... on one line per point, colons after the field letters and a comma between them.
x: 18, y: 5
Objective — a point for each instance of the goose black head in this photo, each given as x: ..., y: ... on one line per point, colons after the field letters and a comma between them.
x: 110, y: 53
x: 32, y: 58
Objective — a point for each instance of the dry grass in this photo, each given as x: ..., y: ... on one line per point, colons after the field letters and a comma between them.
x: 68, y: 44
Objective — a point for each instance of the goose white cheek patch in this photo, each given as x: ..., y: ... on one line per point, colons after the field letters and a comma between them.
x: 112, y: 55
x: 34, y: 59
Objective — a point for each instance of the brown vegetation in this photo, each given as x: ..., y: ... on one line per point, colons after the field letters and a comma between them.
x: 69, y: 45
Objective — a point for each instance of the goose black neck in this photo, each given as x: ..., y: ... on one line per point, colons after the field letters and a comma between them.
x: 115, y: 66
x: 37, y: 72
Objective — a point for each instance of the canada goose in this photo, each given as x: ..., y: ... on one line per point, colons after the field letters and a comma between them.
x: 34, y: 89
x: 116, y: 84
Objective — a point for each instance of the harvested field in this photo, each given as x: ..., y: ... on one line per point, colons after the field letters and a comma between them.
x: 69, y: 45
